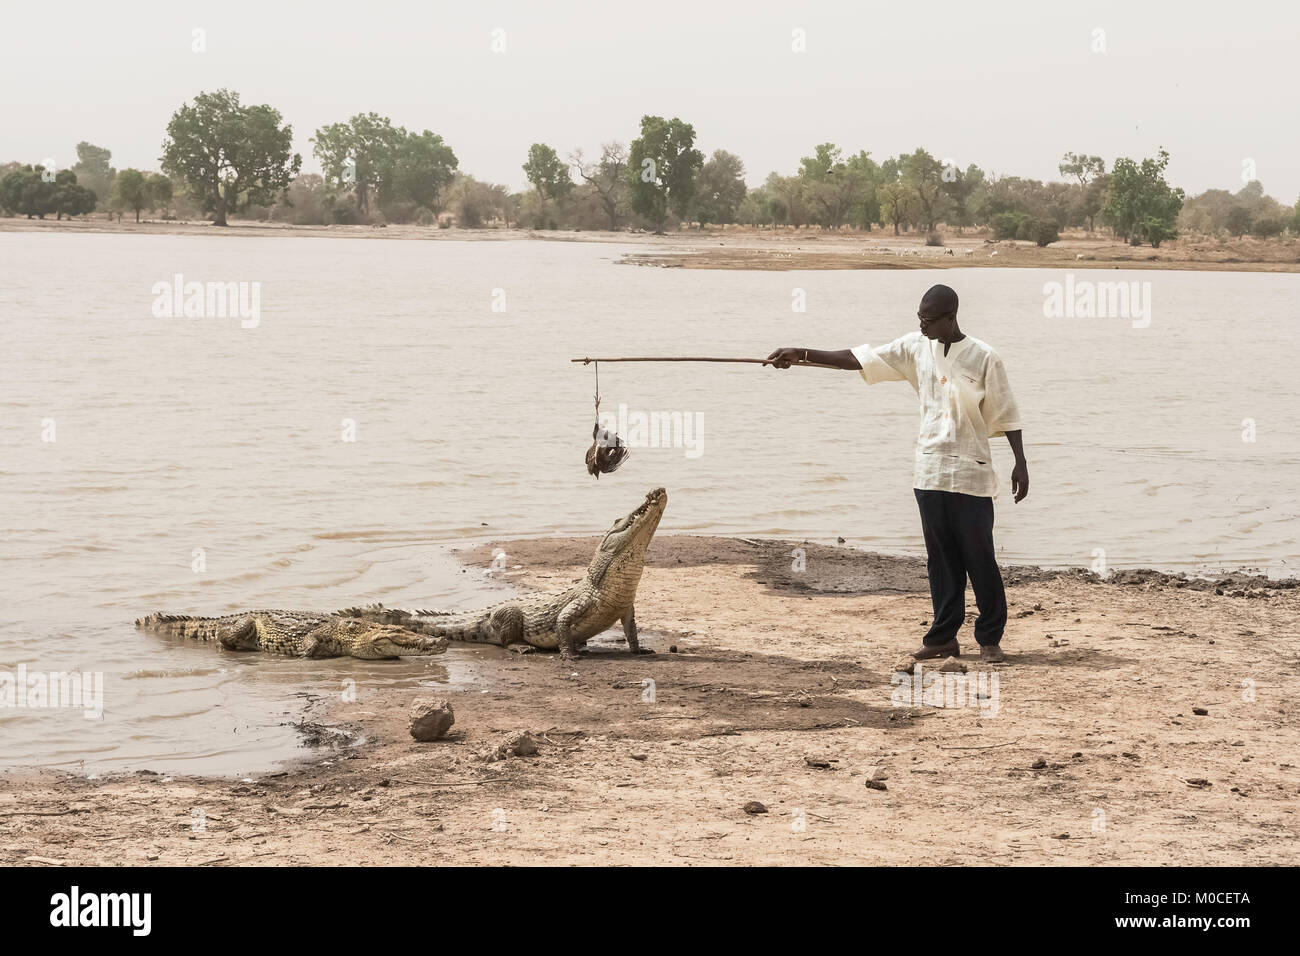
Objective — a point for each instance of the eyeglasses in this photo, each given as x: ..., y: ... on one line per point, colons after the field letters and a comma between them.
x: 927, y: 319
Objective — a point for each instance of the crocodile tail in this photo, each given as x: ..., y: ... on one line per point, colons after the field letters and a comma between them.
x: 192, y: 626
x: 458, y: 626
x: 362, y: 610
x: 454, y: 626
x: 389, y: 615
x: 160, y: 621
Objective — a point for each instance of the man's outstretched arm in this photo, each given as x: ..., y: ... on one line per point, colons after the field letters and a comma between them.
x: 1020, y: 472
x: 842, y: 358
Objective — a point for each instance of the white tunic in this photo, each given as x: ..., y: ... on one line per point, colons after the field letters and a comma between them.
x: 965, y: 401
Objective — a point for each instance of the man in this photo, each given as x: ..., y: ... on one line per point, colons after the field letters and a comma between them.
x: 965, y: 401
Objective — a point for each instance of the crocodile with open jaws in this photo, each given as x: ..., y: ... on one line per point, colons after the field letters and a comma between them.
x: 565, y: 620
x: 299, y: 634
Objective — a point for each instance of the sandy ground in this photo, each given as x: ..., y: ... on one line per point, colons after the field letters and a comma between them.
x: 816, y: 250
x: 779, y: 250
x: 779, y: 692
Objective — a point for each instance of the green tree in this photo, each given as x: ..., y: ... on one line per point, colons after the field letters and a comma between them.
x: 11, y: 191
x: 131, y: 191
x: 756, y: 209
x: 815, y: 168
x: 1089, y: 174
x: 1041, y: 232
x: 94, y: 169
x: 1083, y: 169
x: 1239, y: 221
x: 71, y: 199
x: 1027, y: 198
x: 136, y: 191
x: 1217, y: 210
x: 865, y: 208
x: 423, y: 167
x: 720, y: 188
x: 1140, y: 205
x: 1267, y: 227
x: 160, y: 191
x: 29, y: 192
x: 835, y: 189
x: 788, y: 201
x: 230, y: 155
x: 896, y: 200
x: 476, y: 203
x: 922, y: 174
x: 662, y: 167
x: 1008, y: 225
x: 358, y: 153
x: 549, y: 176
x: 1252, y: 197
x: 959, y: 185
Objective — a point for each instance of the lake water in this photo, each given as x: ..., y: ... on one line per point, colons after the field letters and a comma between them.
x: 200, y: 466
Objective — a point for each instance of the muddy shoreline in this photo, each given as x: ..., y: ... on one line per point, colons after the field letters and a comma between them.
x: 1143, y: 719
x: 780, y: 249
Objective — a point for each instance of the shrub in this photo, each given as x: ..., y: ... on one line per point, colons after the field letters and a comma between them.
x: 398, y: 210
x: 341, y: 211
x: 344, y: 216
x: 1268, y: 227
x: 1038, y: 231
x: 424, y: 217
x: 1239, y: 221
x: 1006, y: 225
x: 934, y: 239
x: 1044, y: 231
x: 1156, y: 230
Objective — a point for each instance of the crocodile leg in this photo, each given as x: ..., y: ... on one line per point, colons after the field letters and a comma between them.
x: 629, y: 631
x: 564, y: 622
x: 241, y: 634
x: 507, y: 625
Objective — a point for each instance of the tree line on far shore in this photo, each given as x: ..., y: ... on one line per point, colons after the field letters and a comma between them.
x: 221, y: 158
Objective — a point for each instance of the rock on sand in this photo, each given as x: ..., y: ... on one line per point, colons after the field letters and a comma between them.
x: 431, y: 718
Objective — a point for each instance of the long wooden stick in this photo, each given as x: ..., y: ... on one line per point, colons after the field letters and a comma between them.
x: 684, y: 358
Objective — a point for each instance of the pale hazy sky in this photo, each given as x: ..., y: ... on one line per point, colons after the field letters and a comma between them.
x: 1010, y: 86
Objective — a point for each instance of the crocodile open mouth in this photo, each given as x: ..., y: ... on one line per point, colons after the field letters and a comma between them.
x: 653, y: 498
x: 655, y: 502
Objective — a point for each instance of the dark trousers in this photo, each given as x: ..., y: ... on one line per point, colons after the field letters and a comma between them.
x: 959, y: 543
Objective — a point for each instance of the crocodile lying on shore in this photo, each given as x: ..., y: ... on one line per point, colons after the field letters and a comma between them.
x: 299, y: 634
x: 565, y: 620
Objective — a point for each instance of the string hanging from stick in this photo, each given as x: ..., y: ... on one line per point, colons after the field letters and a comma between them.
x: 607, y: 451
